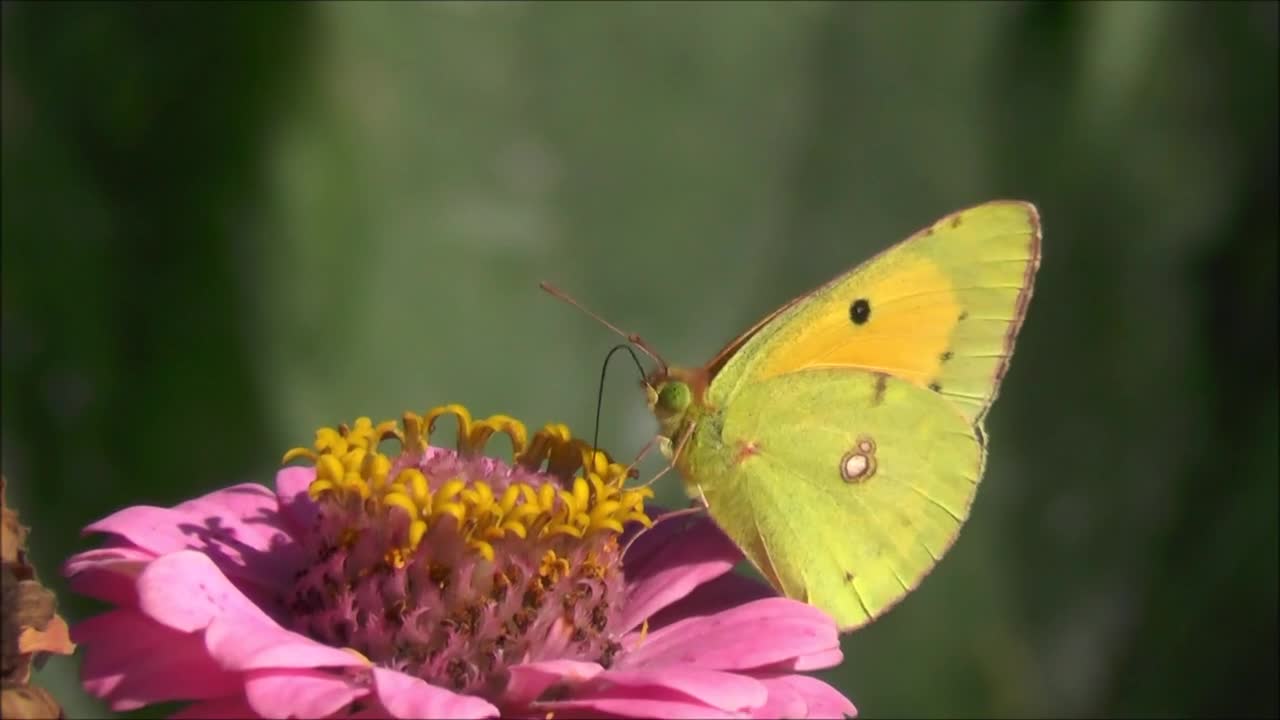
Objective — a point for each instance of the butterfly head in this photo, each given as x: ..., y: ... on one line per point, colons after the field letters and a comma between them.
x: 670, y: 396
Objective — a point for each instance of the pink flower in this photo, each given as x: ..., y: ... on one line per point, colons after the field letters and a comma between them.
x: 440, y: 584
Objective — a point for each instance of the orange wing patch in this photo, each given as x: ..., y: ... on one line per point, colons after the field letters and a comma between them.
x: 940, y: 310
x: 899, y: 322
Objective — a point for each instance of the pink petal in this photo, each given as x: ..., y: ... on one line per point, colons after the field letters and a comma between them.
x: 653, y: 542
x: 299, y: 693
x: 132, y: 661
x: 373, y: 711
x: 186, y: 591
x: 408, y: 697
x: 528, y: 681
x: 650, y: 539
x: 240, y: 527
x: 823, y: 701
x: 296, y: 506
x: 370, y: 712
x: 664, y: 569
x: 650, y: 705
x: 110, y: 554
x: 237, y: 502
x: 784, y: 701
x: 241, y: 644
x: 727, y: 591
x: 803, y: 663
x: 235, y: 706
x: 727, y: 691
x: 253, y: 506
x: 816, y: 661
x: 108, y: 574
x: 749, y: 636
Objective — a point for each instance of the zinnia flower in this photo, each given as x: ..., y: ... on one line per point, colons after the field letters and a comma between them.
x: 439, y: 583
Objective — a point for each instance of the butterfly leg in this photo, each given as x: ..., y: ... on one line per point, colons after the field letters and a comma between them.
x: 693, y: 509
x: 702, y: 497
x: 641, y: 455
x: 675, y: 455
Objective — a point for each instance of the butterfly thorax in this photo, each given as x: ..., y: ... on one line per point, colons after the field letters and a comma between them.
x: 688, y: 429
x: 675, y: 397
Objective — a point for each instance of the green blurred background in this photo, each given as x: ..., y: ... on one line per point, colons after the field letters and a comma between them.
x: 225, y: 226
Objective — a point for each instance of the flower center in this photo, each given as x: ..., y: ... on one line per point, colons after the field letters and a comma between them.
x: 453, y: 565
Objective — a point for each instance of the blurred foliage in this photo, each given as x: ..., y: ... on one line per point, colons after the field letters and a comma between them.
x: 226, y: 225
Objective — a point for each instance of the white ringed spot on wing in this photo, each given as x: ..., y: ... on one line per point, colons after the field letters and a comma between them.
x: 859, y: 464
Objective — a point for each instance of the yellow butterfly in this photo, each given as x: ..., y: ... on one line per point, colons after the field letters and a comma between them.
x: 839, y: 442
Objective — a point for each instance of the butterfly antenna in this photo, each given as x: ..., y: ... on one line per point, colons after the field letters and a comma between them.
x: 604, y: 370
x: 632, y: 338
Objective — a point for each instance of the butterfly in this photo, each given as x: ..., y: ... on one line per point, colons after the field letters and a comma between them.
x: 839, y: 441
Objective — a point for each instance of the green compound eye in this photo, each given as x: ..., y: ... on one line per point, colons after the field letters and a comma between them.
x: 674, y: 397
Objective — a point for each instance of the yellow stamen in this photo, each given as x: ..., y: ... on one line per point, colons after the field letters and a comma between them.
x: 459, y: 412
x: 553, y: 567
x: 415, y: 434
x: 417, y: 529
x: 296, y: 453
x: 550, y: 436
x: 483, y: 548
x: 589, y: 498
x: 358, y: 654
x: 510, y: 427
x: 403, y: 502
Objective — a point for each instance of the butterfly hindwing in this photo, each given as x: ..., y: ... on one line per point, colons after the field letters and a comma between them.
x: 844, y: 487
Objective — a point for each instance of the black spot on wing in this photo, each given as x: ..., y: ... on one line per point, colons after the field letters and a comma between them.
x: 860, y: 311
x: 881, y: 380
